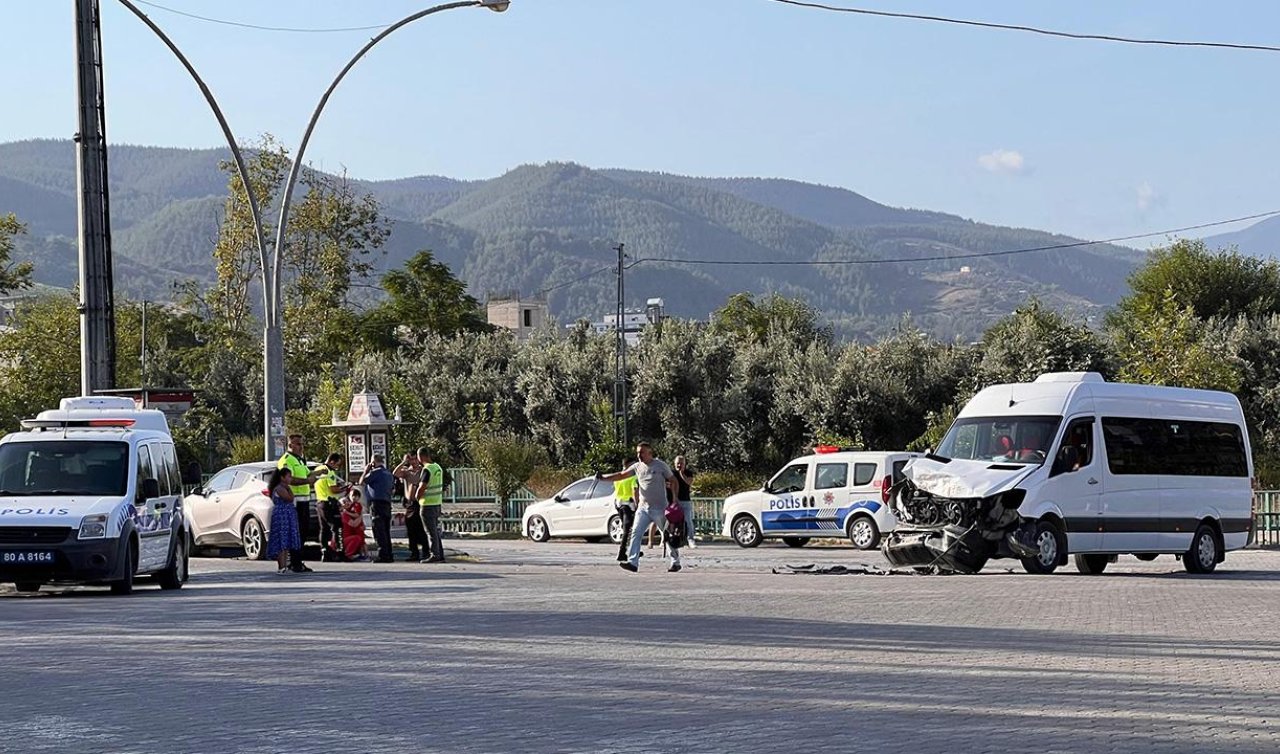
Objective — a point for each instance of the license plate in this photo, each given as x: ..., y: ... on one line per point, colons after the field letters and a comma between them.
x: 26, y: 558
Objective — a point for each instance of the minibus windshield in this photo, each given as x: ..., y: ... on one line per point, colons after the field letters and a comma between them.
x: 64, y: 467
x: 1004, y: 439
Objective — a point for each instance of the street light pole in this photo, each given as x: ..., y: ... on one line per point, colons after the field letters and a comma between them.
x: 271, y: 259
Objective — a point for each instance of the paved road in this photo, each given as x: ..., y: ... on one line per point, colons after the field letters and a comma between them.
x: 552, y: 648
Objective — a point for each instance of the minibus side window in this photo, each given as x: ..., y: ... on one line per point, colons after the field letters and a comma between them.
x: 863, y: 474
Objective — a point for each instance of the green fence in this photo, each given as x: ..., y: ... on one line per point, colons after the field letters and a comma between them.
x: 1266, y: 519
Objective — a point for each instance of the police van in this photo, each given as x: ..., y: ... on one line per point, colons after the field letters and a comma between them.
x: 90, y: 493
x: 831, y: 493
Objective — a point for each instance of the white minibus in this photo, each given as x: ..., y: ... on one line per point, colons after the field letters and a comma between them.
x: 1073, y: 464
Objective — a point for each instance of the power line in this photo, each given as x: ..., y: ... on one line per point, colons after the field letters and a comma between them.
x: 1030, y: 29
x: 225, y: 22
x: 578, y: 279
x: 948, y: 257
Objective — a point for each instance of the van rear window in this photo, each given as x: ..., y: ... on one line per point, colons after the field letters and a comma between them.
x: 1174, y: 447
x: 66, y: 467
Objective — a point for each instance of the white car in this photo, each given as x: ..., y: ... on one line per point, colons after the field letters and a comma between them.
x: 830, y: 493
x: 234, y: 509
x: 583, y: 509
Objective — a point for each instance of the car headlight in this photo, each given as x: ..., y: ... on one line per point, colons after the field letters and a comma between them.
x: 94, y: 527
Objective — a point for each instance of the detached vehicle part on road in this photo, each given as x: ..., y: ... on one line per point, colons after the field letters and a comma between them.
x: 1072, y: 464
x: 90, y: 493
x: 583, y: 509
x: 832, y: 493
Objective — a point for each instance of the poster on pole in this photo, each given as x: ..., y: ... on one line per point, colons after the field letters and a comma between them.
x: 356, y: 458
x: 378, y: 446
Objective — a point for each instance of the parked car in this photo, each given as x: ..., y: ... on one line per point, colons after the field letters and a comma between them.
x: 583, y: 509
x: 234, y: 508
x: 830, y: 493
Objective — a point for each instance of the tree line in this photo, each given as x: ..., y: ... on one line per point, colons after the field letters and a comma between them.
x: 739, y: 395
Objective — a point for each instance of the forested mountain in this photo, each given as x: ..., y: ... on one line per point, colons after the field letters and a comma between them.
x: 539, y: 226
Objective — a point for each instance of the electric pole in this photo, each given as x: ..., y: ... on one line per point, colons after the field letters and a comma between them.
x: 97, y: 296
x: 620, y: 376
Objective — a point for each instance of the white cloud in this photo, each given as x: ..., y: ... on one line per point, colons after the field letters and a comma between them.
x: 1149, y: 197
x: 1007, y: 161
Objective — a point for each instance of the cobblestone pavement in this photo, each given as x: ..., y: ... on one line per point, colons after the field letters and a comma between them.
x: 552, y: 648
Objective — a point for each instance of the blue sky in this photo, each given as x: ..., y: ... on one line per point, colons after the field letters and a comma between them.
x: 1089, y: 138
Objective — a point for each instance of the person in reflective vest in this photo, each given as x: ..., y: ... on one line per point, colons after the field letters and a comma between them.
x: 430, y: 500
x: 329, y: 490
x: 296, y: 463
x: 624, y: 501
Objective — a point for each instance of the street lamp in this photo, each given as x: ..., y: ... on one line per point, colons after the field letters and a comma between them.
x: 271, y: 259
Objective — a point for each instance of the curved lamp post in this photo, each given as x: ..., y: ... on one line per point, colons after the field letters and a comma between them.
x: 271, y: 258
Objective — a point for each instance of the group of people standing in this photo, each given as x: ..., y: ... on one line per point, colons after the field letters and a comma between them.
x: 339, y: 509
x: 649, y: 493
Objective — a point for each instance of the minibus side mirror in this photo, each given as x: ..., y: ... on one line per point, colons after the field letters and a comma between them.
x: 150, y: 489
x: 1067, y: 458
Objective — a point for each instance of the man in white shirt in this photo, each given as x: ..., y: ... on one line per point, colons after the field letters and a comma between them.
x: 654, y: 478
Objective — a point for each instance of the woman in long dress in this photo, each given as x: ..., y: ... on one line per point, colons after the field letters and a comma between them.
x: 283, y: 535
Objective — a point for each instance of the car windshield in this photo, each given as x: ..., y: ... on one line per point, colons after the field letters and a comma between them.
x: 64, y: 467
x: 1004, y: 439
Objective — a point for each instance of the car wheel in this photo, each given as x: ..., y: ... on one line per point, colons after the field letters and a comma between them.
x: 175, y: 574
x: 253, y: 539
x: 1203, y: 555
x: 616, y: 530
x: 1146, y: 556
x: 1051, y: 542
x: 125, y: 585
x: 796, y: 541
x: 538, y: 530
x: 1092, y: 565
x: 27, y: 586
x: 746, y: 532
x: 863, y: 533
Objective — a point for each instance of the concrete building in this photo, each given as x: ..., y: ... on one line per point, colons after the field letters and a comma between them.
x: 634, y: 321
x: 520, y: 316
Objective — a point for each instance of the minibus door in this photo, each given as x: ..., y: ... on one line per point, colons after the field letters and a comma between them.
x: 1075, y: 484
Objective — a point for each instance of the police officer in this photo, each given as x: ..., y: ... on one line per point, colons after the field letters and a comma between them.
x: 430, y: 501
x: 296, y: 463
x: 329, y: 488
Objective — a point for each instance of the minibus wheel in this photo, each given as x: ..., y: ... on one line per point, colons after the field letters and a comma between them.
x: 1052, y: 544
x: 125, y: 585
x: 1091, y: 565
x: 1203, y: 555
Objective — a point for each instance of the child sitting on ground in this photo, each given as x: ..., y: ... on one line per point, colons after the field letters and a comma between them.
x: 353, y: 542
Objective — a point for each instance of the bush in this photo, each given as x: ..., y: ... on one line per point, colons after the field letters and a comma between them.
x: 244, y: 449
x: 724, y: 483
x: 548, y: 480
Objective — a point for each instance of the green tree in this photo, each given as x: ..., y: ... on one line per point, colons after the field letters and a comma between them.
x: 423, y: 297
x: 1035, y: 340
x: 745, y: 318
x: 13, y: 277
x: 1163, y: 342
x: 1222, y: 283
x: 39, y: 357
x: 506, y: 459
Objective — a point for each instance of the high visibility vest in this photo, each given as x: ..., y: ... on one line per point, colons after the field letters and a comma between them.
x: 299, y: 469
x: 624, y: 489
x: 326, y: 485
x: 433, y: 490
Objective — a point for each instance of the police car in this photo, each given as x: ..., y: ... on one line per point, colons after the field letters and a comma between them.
x: 830, y: 493
x: 90, y: 493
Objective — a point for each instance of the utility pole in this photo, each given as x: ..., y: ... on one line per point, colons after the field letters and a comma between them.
x: 620, y: 375
x: 142, y: 367
x: 97, y: 295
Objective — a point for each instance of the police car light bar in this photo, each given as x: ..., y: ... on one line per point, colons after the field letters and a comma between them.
x: 70, y: 423
x: 827, y: 449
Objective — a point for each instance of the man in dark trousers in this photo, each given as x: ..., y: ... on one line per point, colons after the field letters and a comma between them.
x: 409, y: 472
x: 378, y: 484
x: 329, y: 489
x: 624, y: 501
